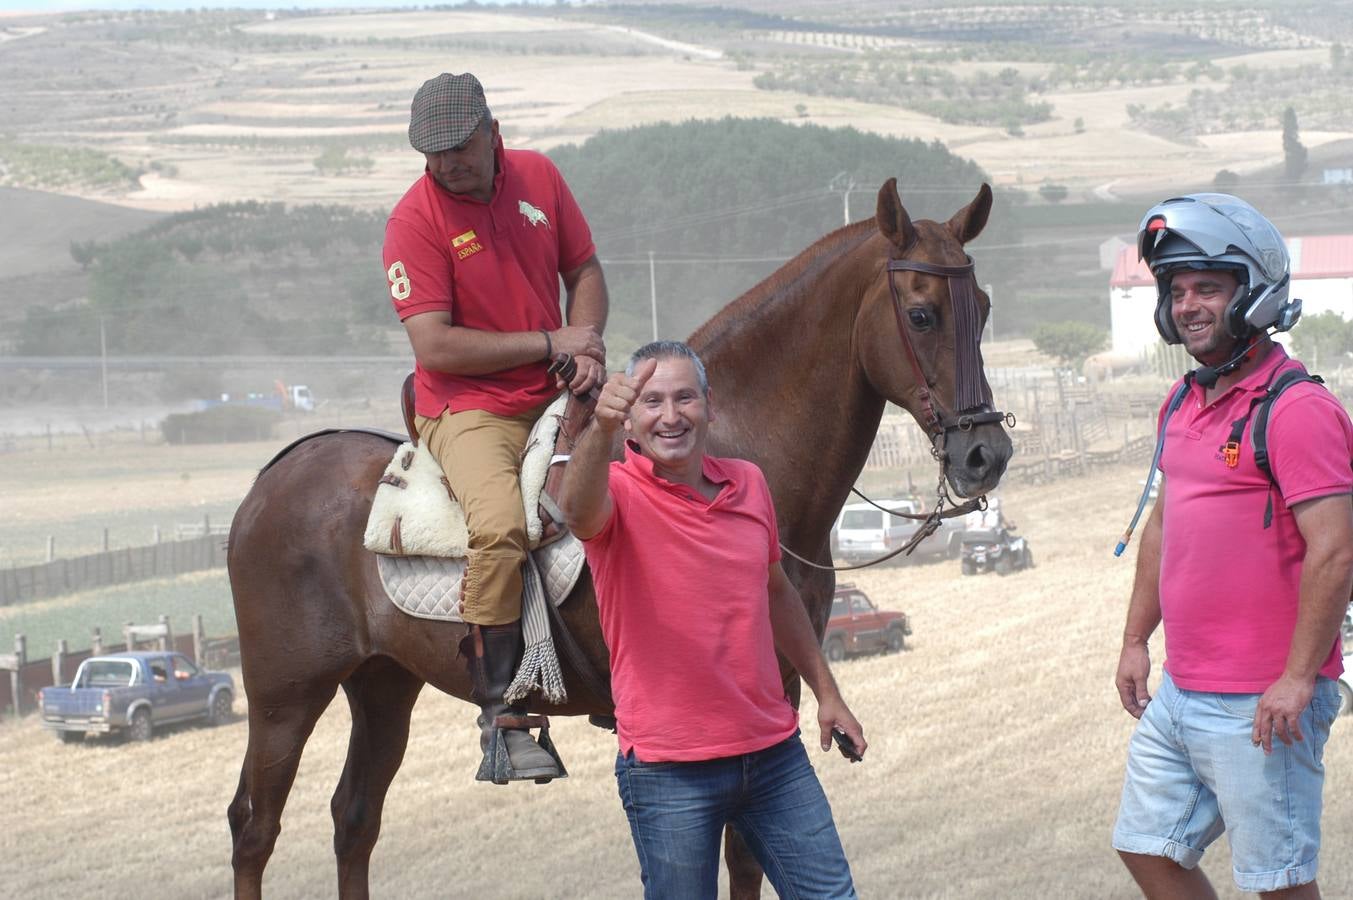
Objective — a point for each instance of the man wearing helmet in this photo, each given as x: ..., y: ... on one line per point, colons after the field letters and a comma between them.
x: 1249, y: 572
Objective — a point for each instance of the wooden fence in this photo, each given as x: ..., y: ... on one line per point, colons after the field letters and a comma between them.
x: 22, y: 678
x: 897, y: 445
x: 63, y: 576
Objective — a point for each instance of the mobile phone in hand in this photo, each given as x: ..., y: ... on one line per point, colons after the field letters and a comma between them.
x: 846, y: 745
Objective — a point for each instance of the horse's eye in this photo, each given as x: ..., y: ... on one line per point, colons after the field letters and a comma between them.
x: 920, y: 318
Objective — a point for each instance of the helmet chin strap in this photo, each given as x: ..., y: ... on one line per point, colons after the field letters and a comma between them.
x: 1207, y: 376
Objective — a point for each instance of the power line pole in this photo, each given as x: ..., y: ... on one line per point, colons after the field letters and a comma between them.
x: 653, y: 292
x: 103, y: 360
x: 845, y: 183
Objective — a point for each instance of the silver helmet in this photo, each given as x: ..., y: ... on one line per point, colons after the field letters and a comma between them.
x: 1219, y: 231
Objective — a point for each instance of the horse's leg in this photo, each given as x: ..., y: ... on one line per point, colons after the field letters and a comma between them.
x: 381, y: 696
x: 237, y: 813
x: 277, y: 734
x: 744, y: 872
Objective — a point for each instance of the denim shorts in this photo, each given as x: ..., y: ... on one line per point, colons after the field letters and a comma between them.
x: 1193, y: 773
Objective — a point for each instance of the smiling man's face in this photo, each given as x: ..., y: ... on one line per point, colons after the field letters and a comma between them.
x: 670, y: 419
x: 1197, y: 304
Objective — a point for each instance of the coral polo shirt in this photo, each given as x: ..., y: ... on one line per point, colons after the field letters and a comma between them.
x: 682, y: 589
x: 493, y: 266
x: 1228, y: 586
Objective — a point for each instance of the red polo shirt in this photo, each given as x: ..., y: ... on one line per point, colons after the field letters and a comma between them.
x: 493, y: 266
x: 1228, y: 586
x: 682, y: 589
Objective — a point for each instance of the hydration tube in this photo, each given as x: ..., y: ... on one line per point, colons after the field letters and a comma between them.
x: 1175, y: 403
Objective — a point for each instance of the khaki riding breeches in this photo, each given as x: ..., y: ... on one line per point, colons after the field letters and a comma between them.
x: 480, y: 454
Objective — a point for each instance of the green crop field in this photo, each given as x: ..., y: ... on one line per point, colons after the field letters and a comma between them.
x: 74, y: 616
x: 81, y: 533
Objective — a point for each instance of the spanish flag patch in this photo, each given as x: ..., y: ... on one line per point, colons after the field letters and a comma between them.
x: 466, y: 245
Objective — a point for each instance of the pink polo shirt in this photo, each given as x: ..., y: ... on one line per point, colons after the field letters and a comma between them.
x: 682, y: 589
x: 1228, y: 586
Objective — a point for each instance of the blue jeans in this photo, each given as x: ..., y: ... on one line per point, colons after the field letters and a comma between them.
x: 677, y: 812
x: 1192, y: 773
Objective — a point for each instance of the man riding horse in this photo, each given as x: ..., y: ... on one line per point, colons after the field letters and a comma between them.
x: 473, y: 256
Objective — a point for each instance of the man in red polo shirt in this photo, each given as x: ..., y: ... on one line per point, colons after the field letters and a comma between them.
x: 685, y: 558
x: 474, y: 255
x: 1250, y: 575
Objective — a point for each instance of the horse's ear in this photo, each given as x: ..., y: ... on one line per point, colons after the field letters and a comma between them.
x: 892, y: 217
x: 969, y: 221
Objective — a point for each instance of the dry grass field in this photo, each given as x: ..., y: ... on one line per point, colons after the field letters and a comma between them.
x: 996, y: 756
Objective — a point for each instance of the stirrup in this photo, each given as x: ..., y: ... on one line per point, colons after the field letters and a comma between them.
x: 497, y: 764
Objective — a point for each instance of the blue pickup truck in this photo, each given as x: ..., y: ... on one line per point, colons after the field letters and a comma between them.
x: 133, y: 694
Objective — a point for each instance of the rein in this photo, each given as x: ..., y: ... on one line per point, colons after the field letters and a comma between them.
x: 929, y: 523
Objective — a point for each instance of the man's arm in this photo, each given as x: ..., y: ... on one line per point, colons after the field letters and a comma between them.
x: 585, y: 498
x: 587, y: 305
x: 442, y: 346
x: 795, y: 639
x: 1134, y: 661
x: 1326, y: 525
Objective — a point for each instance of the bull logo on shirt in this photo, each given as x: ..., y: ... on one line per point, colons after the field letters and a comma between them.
x: 531, y: 214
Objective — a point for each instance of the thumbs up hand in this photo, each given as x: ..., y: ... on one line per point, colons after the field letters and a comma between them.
x: 619, y: 394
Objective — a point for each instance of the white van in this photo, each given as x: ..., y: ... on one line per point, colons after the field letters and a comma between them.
x: 863, y: 532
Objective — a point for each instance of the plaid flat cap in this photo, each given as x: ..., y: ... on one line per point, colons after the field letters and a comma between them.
x: 446, y: 110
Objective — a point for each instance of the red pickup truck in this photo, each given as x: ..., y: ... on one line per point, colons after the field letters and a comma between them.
x: 858, y: 626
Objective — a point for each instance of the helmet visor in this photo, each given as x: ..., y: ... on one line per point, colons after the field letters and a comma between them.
x: 1217, y: 225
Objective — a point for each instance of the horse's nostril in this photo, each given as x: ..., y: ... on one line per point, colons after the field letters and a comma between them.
x: 978, y: 458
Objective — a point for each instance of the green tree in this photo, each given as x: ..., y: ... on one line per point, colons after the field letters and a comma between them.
x: 1225, y: 179
x: 723, y: 203
x: 1323, y: 339
x: 1294, y: 152
x: 83, y: 252
x: 1070, y: 343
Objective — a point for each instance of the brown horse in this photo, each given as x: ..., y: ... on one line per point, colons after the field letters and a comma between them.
x: 802, y: 365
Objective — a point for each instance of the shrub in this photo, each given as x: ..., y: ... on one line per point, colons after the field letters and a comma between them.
x: 1053, y: 193
x: 220, y: 424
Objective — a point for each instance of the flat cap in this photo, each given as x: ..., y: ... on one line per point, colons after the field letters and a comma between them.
x: 446, y: 111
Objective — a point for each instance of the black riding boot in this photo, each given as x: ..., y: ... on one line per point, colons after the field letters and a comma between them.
x: 493, y: 652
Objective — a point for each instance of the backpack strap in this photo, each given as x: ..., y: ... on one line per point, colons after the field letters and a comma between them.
x: 1261, y: 408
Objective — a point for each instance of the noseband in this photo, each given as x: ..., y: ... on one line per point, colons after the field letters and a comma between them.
x: 972, y: 395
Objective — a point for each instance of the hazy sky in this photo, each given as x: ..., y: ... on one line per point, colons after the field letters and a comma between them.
x: 68, y: 5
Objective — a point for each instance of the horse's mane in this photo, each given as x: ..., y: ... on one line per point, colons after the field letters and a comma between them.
x: 783, y: 280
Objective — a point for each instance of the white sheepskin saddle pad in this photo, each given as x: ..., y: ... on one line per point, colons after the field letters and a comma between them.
x: 413, y: 494
x: 422, y: 568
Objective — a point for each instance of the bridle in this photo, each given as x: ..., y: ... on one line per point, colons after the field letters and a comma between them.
x: 972, y: 394
x: 972, y: 397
